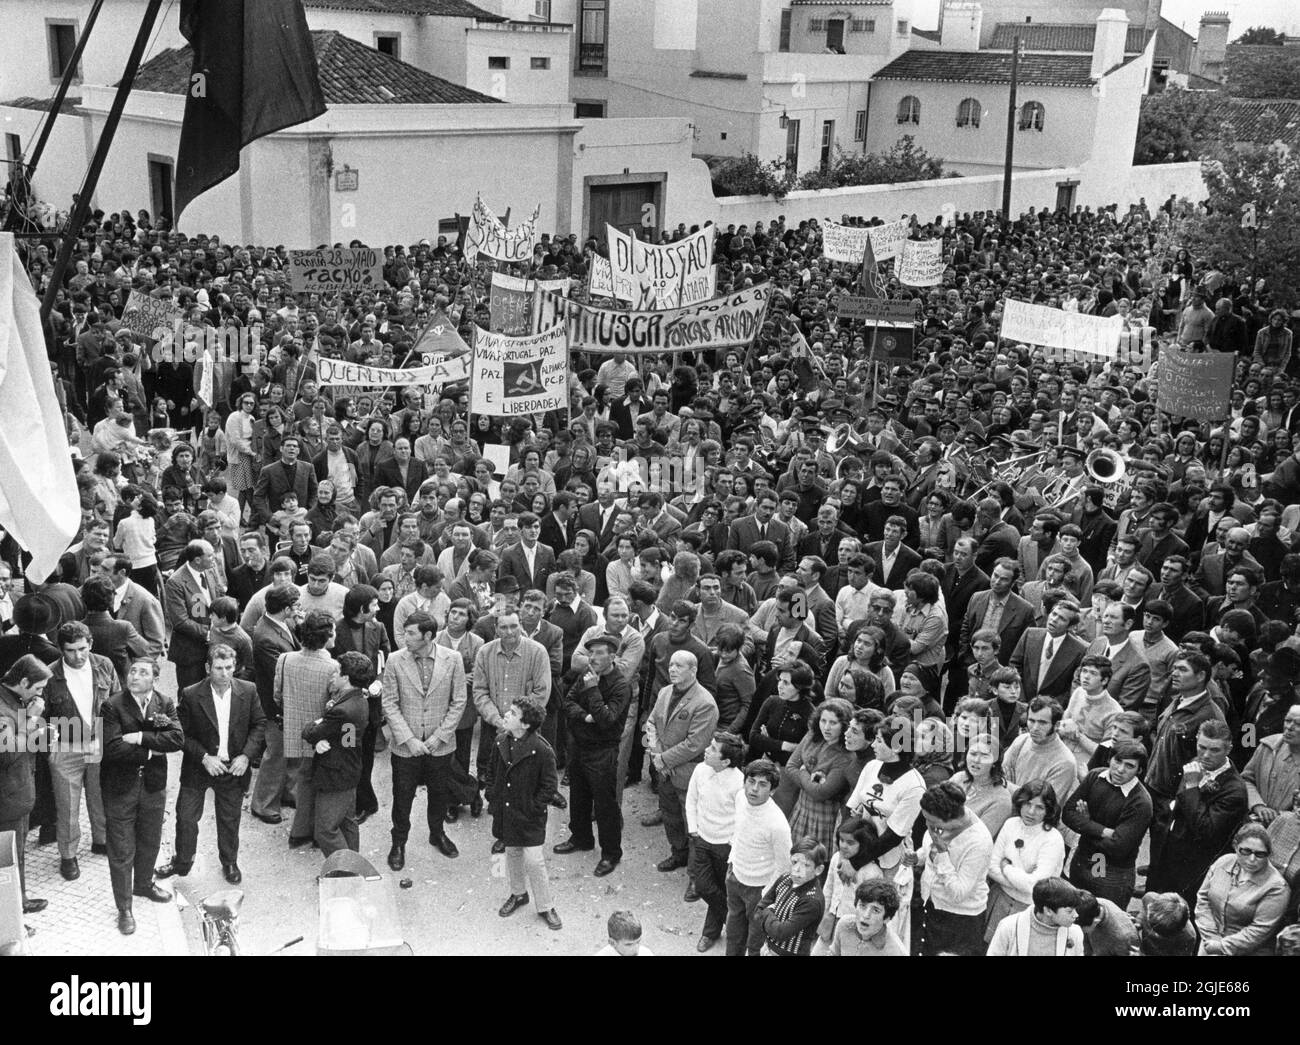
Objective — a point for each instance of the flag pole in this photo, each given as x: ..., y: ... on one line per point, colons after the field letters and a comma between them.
x: 82, y: 206
x: 69, y: 74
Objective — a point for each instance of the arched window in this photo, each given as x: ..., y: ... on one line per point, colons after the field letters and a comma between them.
x: 909, y: 109
x: 1031, y: 116
x: 968, y: 113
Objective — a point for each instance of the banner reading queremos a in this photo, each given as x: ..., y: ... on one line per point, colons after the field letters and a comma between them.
x: 444, y: 371
x: 667, y: 275
x: 729, y: 321
x: 488, y: 235
x: 849, y: 242
x: 1056, y: 328
x: 519, y: 375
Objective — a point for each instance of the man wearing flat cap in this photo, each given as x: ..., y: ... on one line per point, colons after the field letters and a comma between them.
x: 595, y: 708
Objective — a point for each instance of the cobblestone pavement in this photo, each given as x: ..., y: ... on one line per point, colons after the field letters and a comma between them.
x: 449, y: 908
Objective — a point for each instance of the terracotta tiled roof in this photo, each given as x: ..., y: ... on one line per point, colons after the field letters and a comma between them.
x: 42, y: 104
x: 1048, y: 36
x: 350, y: 74
x: 436, y: 8
x: 1265, y: 122
x: 1042, y: 70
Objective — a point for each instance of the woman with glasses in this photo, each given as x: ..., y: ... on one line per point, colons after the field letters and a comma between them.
x: 240, y: 476
x: 1242, y: 901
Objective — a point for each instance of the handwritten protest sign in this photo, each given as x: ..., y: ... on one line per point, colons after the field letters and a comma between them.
x: 443, y: 371
x: 342, y: 268
x: 519, y: 375
x: 600, y: 278
x: 149, y: 316
x: 922, y: 264
x: 1054, y: 327
x: 662, y: 276
x: 1195, y: 384
x: 487, y: 235
x: 849, y: 242
x: 858, y: 308
x: 508, y: 303
x: 729, y: 321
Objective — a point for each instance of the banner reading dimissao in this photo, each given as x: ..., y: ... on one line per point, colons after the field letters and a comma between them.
x: 730, y: 321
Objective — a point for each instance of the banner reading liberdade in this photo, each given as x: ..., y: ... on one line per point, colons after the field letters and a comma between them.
x: 729, y: 321
x: 519, y: 375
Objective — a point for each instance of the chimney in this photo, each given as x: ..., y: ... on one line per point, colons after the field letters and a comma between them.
x: 1212, y: 41
x: 1108, y: 46
x: 960, y: 23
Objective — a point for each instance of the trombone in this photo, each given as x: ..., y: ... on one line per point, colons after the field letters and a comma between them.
x: 1000, y: 473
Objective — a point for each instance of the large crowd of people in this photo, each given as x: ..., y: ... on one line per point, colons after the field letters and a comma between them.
x: 977, y: 652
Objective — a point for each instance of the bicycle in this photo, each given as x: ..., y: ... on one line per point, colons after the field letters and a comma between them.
x: 220, y: 925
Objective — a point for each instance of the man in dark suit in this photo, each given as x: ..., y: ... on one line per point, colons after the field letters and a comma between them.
x: 997, y: 539
x: 1048, y: 657
x: 763, y: 525
x: 402, y: 471
x: 1212, y: 574
x: 187, y: 597
x: 141, y: 728
x: 1159, y: 541
x: 530, y: 562
x: 114, y: 639
x: 1188, y: 607
x: 359, y: 632
x: 1011, y: 620
x: 136, y: 605
x: 891, y: 503
x: 962, y: 579
x: 272, y: 637
x: 820, y: 607
x: 823, y: 540
x: 621, y: 410
x: 225, y: 550
x: 21, y: 724
x: 560, y: 525
x: 598, y: 515
x: 285, y: 475
x: 254, y: 573
x: 225, y: 730
x: 1130, y: 677
x: 894, y: 560
x: 533, y: 625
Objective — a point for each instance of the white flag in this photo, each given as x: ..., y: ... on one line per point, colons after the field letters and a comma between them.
x: 39, y: 503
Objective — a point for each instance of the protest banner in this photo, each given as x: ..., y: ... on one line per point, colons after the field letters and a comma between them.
x: 1195, y: 384
x: 149, y: 316
x: 487, y: 235
x: 548, y: 305
x: 334, y: 372
x: 859, y: 308
x: 669, y: 275
x: 335, y: 269
x: 600, y: 277
x: 849, y: 242
x: 1137, y: 348
x: 922, y: 264
x: 730, y: 321
x: 509, y: 305
x: 893, y: 341
x: 518, y: 375
x: 1056, y: 328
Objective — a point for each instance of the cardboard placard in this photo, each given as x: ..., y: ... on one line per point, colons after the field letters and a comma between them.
x: 1195, y: 384
x: 334, y: 269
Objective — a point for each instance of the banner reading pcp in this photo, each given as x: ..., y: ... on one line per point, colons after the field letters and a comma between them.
x: 518, y: 375
x: 1056, y: 328
x: 343, y: 268
x: 849, y: 242
x: 487, y: 235
x: 729, y: 321
x: 149, y: 316
x: 440, y: 371
x: 668, y: 275
x: 922, y: 264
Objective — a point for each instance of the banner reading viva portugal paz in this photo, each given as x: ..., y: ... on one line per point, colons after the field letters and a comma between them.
x: 519, y: 375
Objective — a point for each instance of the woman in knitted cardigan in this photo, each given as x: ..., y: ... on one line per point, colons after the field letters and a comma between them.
x: 819, y: 767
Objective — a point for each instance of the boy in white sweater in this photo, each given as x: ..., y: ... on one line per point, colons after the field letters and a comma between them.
x: 760, y: 853
x: 711, y: 796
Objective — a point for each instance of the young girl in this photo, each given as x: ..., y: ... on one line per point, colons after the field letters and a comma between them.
x: 850, y: 866
x: 1028, y: 849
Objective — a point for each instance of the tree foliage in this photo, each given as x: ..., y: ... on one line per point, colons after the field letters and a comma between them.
x: 905, y: 161
x: 1177, y: 125
x: 1263, y: 72
x: 746, y: 174
x: 1268, y: 177
x: 1260, y: 34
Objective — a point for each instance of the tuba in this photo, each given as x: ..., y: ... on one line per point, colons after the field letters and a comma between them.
x: 1105, y: 466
